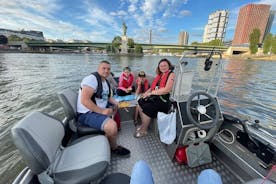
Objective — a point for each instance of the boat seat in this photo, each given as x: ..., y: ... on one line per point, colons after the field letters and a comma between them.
x: 68, y: 99
x: 38, y: 137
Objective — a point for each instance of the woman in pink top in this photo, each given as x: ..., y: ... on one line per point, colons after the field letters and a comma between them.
x: 125, y: 86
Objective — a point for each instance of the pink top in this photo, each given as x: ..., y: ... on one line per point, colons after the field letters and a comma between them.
x: 125, y: 82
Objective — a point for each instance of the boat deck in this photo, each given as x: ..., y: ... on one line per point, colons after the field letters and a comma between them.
x: 151, y: 150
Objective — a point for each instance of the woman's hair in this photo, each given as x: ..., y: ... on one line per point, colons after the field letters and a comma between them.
x: 164, y: 60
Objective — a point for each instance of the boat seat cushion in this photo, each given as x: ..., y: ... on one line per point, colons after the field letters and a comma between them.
x: 68, y: 99
x: 38, y: 137
x: 83, y: 161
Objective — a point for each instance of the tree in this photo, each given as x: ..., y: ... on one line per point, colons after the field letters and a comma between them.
x: 130, y: 42
x: 116, y: 42
x: 138, y: 49
x: 254, y: 38
x: 110, y: 48
x: 216, y: 42
x: 273, y: 45
x: 3, y: 39
x: 14, y: 38
x: 267, y: 43
x: 195, y: 43
x: 26, y: 39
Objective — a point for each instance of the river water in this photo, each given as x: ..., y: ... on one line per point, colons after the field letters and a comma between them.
x: 30, y: 82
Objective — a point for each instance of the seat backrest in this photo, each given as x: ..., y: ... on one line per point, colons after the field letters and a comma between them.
x: 38, y: 137
x: 69, y: 98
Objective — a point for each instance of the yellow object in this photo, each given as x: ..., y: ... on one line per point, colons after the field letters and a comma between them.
x: 124, y: 104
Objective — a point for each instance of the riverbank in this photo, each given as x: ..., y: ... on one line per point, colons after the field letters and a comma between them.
x: 240, y: 57
x: 252, y: 57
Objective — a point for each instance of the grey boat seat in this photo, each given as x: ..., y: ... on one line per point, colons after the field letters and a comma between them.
x: 68, y: 99
x: 38, y: 138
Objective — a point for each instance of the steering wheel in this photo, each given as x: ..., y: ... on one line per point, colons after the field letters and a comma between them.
x: 198, y: 112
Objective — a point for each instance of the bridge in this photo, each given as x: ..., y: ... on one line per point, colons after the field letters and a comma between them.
x: 35, y: 45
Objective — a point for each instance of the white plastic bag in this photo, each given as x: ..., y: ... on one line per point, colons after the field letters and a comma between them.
x: 167, y: 127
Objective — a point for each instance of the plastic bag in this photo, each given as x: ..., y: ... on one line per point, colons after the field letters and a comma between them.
x: 167, y: 126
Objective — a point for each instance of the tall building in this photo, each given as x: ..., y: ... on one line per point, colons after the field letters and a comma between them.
x: 216, y: 27
x: 269, y: 23
x: 183, y: 38
x: 250, y: 17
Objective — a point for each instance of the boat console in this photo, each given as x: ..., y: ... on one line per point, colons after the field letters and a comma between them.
x: 198, y: 112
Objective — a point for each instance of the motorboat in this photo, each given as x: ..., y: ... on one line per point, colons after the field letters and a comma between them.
x: 241, y: 151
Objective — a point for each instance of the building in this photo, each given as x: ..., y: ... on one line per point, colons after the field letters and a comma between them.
x: 250, y: 17
x: 183, y: 38
x: 269, y: 23
x: 216, y: 27
x: 35, y: 35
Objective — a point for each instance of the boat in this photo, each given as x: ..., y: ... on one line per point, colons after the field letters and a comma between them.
x: 205, y: 138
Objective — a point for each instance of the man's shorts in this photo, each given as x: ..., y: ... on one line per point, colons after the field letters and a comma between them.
x: 93, y: 119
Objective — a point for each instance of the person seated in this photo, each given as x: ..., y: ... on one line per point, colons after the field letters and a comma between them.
x: 156, y: 99
x: 126, y: 79
x: 142, y: 85
x: 93, y: 106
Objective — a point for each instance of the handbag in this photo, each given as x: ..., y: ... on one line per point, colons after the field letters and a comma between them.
x: 167, y: 126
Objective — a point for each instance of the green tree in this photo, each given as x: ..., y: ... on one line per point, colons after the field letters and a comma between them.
x: 3, y: 39
x: 130, y: 42
x: 273, y: 45
x: 216, y: 42
x: 14, y: 38
x: 138, y: 49
x: 116, y: 42
x: 195, y: 43
x: 254, y: 38
x: 26, y: 39
x: 110, y: 48
x: 267, y: 43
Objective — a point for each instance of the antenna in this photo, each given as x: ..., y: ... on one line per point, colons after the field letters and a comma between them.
x: 150, y: 36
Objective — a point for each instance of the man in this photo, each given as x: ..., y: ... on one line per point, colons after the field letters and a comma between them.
x: 93, y: 109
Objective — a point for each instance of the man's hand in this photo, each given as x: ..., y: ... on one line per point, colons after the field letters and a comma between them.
x: 108, y: 111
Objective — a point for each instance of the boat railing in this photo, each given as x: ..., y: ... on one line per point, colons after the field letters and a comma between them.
x: 188, y: 79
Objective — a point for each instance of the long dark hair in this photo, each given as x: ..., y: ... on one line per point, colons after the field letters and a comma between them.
x: 164, y: 60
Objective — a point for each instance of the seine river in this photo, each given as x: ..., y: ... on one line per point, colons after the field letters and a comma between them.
x: 30, y: 82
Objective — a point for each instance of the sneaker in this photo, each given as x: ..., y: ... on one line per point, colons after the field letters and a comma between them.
x: 121, y: 151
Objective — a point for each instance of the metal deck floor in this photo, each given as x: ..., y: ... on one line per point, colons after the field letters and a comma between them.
x: 165, y: 171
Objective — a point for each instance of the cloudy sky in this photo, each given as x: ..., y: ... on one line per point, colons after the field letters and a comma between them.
x: 101, y: 20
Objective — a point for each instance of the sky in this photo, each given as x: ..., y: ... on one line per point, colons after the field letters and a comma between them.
x: 101, y: 20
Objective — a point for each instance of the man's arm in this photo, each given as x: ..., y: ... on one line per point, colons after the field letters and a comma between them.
x: 86, y: 94
x: 113, y: 101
